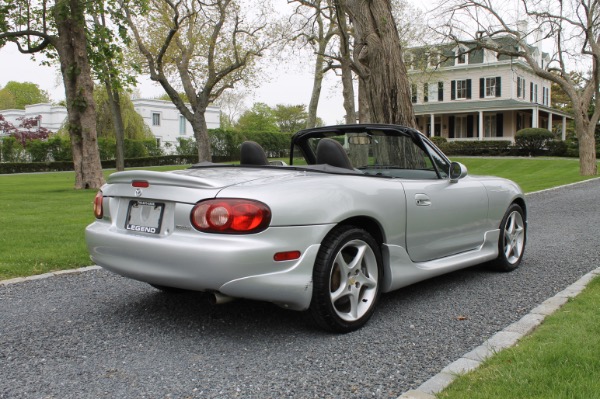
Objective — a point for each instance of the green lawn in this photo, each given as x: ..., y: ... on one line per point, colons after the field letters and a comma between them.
x: 42, y: 220
x: 42, y: 217
x: 532, y: 174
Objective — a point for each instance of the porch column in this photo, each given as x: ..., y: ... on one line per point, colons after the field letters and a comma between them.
x: 432, y: 124
x: 480, y: 125
x: 564, y: 128
x: 534, y: 117
x: 549, y: 120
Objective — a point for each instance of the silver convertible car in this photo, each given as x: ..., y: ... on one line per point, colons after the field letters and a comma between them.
x: 359, y: 210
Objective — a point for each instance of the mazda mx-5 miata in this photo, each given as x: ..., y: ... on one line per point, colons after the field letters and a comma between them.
x: 359, y: 210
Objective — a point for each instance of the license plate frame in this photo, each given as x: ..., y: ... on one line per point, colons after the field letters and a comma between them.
x: 144, y: 216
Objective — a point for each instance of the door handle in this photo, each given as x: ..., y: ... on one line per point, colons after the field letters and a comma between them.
x: 422, y: 200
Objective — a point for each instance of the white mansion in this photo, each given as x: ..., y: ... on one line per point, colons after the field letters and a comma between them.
x: 163, y: 118
x: 469, y: 93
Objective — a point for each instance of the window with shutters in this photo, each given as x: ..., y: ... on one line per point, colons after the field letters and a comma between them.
x: 490, y: 87
x: 433, y: 91
x: 520, y: 87
x: 461, y: 89
x: 460, y: 127
x: 489, y: 125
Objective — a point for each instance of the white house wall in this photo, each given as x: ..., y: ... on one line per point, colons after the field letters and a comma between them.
x: 508, y: 72
x: 53, y: 116
x: 166, y: 132
x: 168, y: 129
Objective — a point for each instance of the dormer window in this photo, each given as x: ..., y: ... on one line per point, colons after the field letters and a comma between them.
x: 461, y: 54
x: 434, y: 60
x: 489, y: 56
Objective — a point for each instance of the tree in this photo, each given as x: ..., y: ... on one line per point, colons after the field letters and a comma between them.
x: 134, y: 127
x: 57, y: 28
x: 291, y: 118
x: 231, y: 104
x: 108, y: 63
x: 258, y: 119
x: 316, y: 26
x: 574, y: 29
x: 28, y: 129
x: 17, y: 95
x: 208, y: 47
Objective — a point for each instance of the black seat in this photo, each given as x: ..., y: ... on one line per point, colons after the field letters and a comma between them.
x: 251, y: 153
x: 332, y: 153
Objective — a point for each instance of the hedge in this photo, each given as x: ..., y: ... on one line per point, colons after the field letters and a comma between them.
x: 32, y: 167
x: 476, y: 148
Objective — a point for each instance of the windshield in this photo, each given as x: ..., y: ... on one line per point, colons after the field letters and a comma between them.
x: 382, y: 155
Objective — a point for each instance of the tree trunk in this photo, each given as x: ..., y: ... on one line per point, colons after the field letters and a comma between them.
x: 115, y: 105
x: 363, y: 105
x: 201, y: 134
x: 380, y: 64
x: 311, y: 121
x: 79, y: 89
x: 346, y: 64
x: 587, y: 151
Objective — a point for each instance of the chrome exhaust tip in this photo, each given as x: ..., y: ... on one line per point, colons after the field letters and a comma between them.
x: 219, y: 299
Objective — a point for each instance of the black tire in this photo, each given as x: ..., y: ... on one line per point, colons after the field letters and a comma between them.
x: 347, y: 277
x: 513, y: 237
x: 168, y: 290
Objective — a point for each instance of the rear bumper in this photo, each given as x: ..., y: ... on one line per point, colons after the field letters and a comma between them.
x: 236, y: 265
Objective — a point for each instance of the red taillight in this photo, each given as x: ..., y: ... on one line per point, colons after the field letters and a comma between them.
x: 98, y: 211
x: 234, y: 216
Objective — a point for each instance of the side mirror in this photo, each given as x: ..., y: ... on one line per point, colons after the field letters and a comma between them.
x: 457, y: 171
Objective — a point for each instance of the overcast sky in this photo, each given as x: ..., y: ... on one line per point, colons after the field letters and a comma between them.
x: 289, y: 84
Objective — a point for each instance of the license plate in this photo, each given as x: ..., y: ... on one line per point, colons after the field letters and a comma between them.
x: 144, y: 216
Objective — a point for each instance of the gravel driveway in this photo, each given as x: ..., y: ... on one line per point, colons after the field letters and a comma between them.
x: 97, y: 335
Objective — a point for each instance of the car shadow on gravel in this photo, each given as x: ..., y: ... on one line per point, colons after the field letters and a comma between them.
x: 193, y: 312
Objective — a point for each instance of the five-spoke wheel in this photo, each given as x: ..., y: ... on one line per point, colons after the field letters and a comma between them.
x: 346, y: 279
x: 511, y: 244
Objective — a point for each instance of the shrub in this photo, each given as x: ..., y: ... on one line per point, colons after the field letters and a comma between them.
x: 225, y: 143
x: 532, y: 141
x: 60, y: 148
x: 39, y: 150
x: 557, y: 148
x: 12, y: 150
x: 438, y: 141
x: 107, y: 148
x: 185, y: 146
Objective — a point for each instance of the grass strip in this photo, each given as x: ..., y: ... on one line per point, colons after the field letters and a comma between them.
x: 560, y: 360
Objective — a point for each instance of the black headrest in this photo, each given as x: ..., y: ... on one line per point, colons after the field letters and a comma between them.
x: 251, y: 153
x: 331, y: 152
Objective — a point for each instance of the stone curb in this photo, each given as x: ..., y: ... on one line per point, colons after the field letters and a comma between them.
x: 499, y: 341
x: 46, y: 275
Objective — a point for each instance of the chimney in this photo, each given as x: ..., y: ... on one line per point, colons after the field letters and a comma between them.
x: 522, y: 29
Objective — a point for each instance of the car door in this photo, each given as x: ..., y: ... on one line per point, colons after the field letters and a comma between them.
x: 443, y: 217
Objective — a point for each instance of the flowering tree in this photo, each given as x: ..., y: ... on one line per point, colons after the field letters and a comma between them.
x: 27, y: 130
